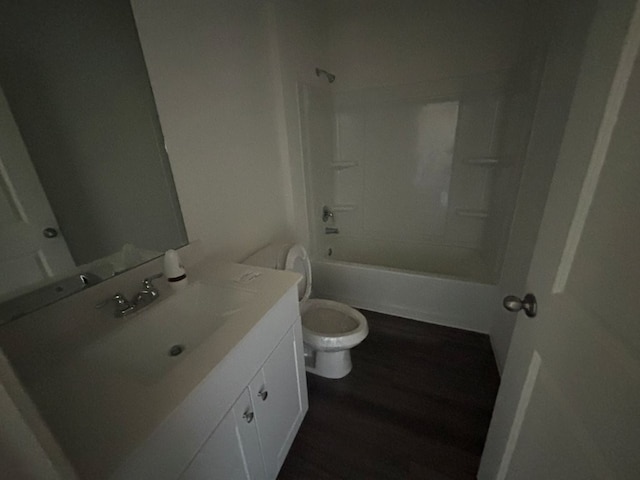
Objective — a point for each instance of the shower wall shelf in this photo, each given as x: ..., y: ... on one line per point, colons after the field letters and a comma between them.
x: 343, y: 165
x: 483, y: 161
x: 343, y: 207
x: 467, y: 212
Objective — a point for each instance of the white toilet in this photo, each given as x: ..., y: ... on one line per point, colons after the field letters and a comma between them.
x: 329, y: 329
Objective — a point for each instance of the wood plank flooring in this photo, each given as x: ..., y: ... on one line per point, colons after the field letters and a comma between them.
x: 416, y: 405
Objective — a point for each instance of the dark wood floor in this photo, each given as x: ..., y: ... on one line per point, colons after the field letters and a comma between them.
x: 416, y: 405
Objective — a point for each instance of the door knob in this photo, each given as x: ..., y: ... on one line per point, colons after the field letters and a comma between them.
x: 50, y: 232
x: 528, y: 304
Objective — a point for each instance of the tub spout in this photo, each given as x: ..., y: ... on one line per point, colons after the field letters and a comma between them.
x: 331, y: 230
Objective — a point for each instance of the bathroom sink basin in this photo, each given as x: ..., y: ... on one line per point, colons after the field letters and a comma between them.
x: 156, y: 339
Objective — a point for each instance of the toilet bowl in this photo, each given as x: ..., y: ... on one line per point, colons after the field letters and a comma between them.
x: 329, y: 329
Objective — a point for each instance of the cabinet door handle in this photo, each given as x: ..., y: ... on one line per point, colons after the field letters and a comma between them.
x: 248, y: 416
x: 263, y: 394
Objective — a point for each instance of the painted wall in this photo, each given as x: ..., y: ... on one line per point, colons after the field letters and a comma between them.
x: 380, y: 43
x: 302, y: 35
x: 76, y: 82
x: 212, y: 74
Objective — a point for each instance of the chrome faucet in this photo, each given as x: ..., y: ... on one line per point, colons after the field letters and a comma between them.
x: 326, y: 214
x: 331, y: 230
x: 122, y: 306
x: 149, y: 292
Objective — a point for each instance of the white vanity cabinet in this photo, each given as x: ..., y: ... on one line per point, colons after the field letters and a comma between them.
x: 240, y: 419
x: 121, y: 406
x: 252, y: 440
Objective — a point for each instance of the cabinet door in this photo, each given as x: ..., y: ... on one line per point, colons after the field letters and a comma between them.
x: 280, y: 401
x: 232, y: 452
x: 247, y: 430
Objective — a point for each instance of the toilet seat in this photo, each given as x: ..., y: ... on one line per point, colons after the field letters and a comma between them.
x: 326, y: 325
x: 331, y: 326
x: 297, y: 261
x: 329, y: 329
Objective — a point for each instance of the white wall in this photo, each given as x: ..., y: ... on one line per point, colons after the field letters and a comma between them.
x: 210, y: 65
x: 379, y: 43
x: 302, y: 39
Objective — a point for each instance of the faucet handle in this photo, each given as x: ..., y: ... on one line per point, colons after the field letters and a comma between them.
x: 149, y: 291
x: 148, y: 286
x: 122, y: 306
x: 118, y: 299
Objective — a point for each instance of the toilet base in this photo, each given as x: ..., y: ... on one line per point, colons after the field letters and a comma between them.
x: 335, y: 364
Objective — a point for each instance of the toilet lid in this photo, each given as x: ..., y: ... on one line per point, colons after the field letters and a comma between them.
x: 298, y: 261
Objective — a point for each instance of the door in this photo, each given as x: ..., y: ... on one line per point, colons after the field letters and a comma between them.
x: 277, y: 395
x: 32, y: 247
x: 570, y: 394
x: 232, y: 451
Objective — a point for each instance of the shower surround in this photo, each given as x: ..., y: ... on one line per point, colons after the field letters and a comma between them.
x: 416, y: 148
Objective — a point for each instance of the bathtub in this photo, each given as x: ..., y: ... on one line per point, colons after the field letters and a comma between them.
x: 433, y: 298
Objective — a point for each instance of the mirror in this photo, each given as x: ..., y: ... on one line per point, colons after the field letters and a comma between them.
x: 86, y: 189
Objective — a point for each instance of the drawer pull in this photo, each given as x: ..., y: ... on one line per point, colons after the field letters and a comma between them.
x: 263, y: 394
x: 248, y: 416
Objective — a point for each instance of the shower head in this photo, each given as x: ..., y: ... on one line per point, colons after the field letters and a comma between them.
x: 330, y: 76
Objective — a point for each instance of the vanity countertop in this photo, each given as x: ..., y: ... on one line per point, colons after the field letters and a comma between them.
x: 99, y: 410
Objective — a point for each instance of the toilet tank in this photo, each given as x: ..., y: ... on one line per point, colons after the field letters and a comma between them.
x: 271, y: 256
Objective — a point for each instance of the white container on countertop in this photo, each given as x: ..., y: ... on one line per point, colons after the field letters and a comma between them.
x: 174, y: 271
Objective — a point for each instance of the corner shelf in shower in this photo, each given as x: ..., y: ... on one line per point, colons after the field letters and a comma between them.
x: 343, y: 165
x: 483, y: 161
x: 343, y: 207
x: 471, y: 213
